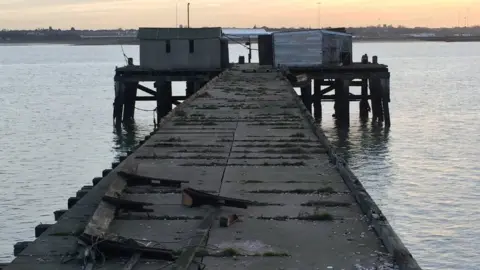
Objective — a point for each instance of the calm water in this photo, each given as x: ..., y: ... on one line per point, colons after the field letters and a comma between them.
x: 56, y: 135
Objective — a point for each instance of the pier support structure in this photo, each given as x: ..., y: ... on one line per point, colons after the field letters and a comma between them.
x: 129, y: 79
x: 340, y: 80
x: 317, y: 99
x: 306, y: 95
x: 164, y: 98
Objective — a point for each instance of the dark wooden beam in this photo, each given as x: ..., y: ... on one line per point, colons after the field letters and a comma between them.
x: 349, y: 76
x: 150, y: 98
x: 171, y: 78
x: 350, y: 97
x: 326, y: 90
x: 352, y: 83
x: 147, y: 90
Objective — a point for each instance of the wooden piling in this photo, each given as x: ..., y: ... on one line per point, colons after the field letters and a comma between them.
x: 96, y: 180
x: 129, y: 101
x: 106, y: 172
x: 58, y: 214
x: 20, y: 246
x: 190, y: 88
x: 72, y: 201
x: 364, y: 106
x: 306, y: 95
x: 118, y: 103
x: 164, y: 98
x: 41, y: 228
x: 342, y: 102
x: 317, y: 98
x: 198, y: 85
x: 385, y: 83
x: 376, y: 97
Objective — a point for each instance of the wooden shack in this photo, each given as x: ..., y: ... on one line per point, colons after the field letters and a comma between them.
x: 183, y: 48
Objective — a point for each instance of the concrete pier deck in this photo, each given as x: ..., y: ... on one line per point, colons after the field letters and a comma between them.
x: 244, y: 135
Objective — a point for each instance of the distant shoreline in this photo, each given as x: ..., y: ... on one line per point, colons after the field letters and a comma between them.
x: 134, y: 41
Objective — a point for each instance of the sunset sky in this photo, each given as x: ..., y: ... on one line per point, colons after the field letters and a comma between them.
x: 97, y: 14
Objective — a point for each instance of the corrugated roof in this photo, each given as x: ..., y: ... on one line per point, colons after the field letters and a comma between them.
x: 179, y: 33
x: 312, y: 31
x: 244, y: 31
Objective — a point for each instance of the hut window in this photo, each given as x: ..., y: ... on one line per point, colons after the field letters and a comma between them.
x: 167, y: 46
x: 192, y: 46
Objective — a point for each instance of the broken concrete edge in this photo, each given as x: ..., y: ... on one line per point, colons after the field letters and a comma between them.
x: 103, y: 182
x: 93, y: 197
x: 402, y: 257
x: 118, y: 165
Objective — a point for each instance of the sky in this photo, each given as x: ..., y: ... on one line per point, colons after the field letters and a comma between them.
x: 101, y: 14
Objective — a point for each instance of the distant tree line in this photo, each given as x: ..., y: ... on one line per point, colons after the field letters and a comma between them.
x: 378, y: 31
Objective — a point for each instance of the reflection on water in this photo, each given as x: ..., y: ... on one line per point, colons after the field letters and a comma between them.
x: 361, y: 137
x: 125, y: 138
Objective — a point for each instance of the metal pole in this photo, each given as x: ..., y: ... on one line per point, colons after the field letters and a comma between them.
x: 176, y: 14
x: 188, y: 15
x: 318, y: 14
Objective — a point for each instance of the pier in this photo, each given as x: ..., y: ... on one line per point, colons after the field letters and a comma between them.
x: 237, y: 176
x: 287, y: 200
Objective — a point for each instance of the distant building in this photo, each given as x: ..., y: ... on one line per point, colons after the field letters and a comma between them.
x: 420, y: 35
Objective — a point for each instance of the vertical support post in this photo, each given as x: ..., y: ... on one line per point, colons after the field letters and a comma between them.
x: 306, y: 95
x: 386, y: 99
x: 376, y: 94
x: 342, y: 102
x: 364, y: 106
x: 130, y: 97
x: 337, y: 95
x: 190, y: 89
x: 317, y: 98
x: 249, y: 50
x: 164, y: 98
x: 118, y: 103
x: 203, y: 83
x: 198, y: 84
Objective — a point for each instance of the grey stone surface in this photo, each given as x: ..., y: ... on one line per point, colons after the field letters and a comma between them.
x: 169, y: 234
x: 310, y: 245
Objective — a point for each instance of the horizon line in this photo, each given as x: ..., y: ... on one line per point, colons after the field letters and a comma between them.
x: 258, y: 27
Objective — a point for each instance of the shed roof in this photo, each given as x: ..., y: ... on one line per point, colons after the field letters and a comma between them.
x: 318, y: 31
x: 179, y: 33
x: 244, y: 31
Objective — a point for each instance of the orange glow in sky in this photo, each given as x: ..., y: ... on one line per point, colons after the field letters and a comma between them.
x: 236, y: 13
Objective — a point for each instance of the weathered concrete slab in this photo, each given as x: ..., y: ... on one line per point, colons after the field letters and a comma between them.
x: 296, y: 212
x: 322, y: 174
x: 52, y: 246
x: 169, y: 234
x: 292, y: 263
x: 311, y: 245
x: 61, y: 263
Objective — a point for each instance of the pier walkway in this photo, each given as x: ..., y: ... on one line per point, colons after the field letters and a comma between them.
x: 245, y: 135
